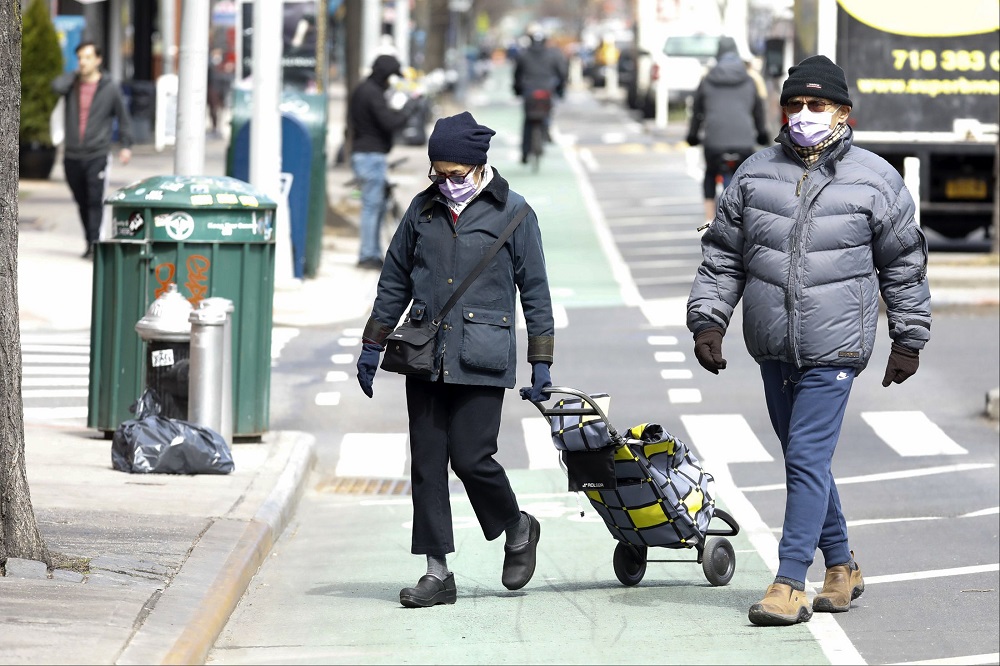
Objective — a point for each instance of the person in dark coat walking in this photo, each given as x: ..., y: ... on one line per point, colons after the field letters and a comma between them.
x: 93, y: 103
x: 809, y: 234
x: 372, y: 123
x: 454, y: 414
x: 727, y: 116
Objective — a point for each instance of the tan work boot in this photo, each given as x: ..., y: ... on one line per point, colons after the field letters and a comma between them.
x: 840, y: 587
x: 781, y: 606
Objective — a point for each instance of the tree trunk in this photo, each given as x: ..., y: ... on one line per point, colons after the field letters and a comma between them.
x: 19, y: 536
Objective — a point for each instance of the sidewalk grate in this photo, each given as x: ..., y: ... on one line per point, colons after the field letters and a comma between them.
x: 364, y: 486
x: 352, y: 485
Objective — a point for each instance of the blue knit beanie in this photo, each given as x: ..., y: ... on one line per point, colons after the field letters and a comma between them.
x: 459, y: 139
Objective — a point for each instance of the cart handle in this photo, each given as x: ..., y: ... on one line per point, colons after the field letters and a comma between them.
x: 593, y: 410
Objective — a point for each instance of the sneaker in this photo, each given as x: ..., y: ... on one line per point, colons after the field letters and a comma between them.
x: 781, y: 606
x: 429, y: 591
x: 841, y: 586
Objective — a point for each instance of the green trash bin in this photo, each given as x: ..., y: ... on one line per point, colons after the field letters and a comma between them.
x: 212, y: 236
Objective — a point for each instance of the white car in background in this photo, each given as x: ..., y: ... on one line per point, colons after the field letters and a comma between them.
x: 682, y: 62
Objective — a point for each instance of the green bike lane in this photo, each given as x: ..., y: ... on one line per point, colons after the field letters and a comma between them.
x: 343, y: 608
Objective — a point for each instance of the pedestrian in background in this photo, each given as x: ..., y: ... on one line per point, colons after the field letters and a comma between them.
x: 217, y: 90
x: 93, y: 103
x: 808, y: 234
x: 727, y: 117
x: 454, y: 415
x: 539, y: 67
x: 372, y: 124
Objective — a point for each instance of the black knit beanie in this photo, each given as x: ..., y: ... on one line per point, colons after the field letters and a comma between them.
x: 459, y: 139
x: 816, y: 76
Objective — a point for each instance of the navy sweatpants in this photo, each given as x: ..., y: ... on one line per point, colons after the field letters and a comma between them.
x: 806, y: 407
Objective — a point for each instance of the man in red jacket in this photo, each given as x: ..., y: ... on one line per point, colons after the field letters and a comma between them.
x: 93, y: 102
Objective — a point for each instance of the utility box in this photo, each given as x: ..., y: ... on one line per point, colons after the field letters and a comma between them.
x: 212, y: 236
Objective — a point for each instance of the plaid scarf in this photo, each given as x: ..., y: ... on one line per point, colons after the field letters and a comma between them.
x: 810, y: 154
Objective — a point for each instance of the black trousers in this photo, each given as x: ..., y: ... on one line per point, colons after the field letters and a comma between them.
x: 459, y: 423
x: 86, y: 181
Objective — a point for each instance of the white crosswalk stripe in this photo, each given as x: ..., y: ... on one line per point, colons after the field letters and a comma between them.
x: 724, y: 438
x: 371, y: 455
x: 55, y: 377
x: 912, y: 434
x: 538, y: 442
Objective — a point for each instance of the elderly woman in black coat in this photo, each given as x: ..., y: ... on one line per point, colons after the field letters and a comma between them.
x: 454, y: 413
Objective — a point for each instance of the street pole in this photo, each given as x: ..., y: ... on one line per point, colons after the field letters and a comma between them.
x: 265, y: 127
x: 371, y: 29
x: 401, y: 31
x: 189, y: 155
x: 168, y: 19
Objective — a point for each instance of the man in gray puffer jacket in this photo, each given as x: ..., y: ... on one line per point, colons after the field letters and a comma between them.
x: 808, y: 234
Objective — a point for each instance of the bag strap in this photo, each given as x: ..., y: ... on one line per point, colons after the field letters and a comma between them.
x: 481, y: 266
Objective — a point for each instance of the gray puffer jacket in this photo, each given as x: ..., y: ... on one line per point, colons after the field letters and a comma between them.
x: 809, y: 249
x: 427, y: 260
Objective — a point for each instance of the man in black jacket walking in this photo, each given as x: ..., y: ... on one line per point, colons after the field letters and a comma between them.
x: 93, y: 102
x: 372, y: 124
x: 731, y: 113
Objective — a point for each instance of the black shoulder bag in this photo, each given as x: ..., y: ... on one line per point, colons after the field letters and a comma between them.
x: 409, y: 350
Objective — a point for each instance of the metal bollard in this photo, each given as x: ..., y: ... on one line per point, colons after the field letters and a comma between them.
x: 227, y: 363
x: 208, y: 325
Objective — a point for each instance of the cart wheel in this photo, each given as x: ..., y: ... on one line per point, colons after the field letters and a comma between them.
x: 630, y: 563
x: 719, y: 561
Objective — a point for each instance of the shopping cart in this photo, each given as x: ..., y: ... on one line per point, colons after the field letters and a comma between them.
x: 658, y: 495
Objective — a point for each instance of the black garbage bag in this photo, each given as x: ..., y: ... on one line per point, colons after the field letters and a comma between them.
x: 154, y: 444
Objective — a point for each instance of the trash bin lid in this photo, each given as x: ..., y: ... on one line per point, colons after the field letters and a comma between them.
x: 187, y: 192
x: 166, y: 318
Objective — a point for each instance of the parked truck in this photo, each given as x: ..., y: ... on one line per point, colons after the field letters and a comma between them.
x: 923, y: 76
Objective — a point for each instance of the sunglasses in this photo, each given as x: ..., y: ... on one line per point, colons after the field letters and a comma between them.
x: 815, y: 105
x: 458, y: 179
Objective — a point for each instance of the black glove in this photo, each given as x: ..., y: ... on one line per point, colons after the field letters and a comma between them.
x: 693, y: 140
x: 708, y: 349
x: 903, y: 362
x: 763, y: 139
x: 540, y: 378
x: 367, y: 365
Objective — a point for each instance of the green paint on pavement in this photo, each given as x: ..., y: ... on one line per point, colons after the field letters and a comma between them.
x: 579, y: 272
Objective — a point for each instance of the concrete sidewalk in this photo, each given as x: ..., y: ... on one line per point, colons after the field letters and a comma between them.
x: 149, y: 567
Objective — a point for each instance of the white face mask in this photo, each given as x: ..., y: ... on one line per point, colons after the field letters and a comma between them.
x: 809, y: 127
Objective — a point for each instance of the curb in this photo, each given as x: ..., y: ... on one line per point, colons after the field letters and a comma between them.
x: 193, y: 610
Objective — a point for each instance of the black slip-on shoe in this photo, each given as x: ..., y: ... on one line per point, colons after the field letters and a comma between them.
x: 429, y: 591
x: 519, y: 561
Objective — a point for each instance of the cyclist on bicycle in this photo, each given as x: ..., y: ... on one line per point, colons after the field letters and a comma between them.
x: 730, y: 113
x: 539, y: 67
